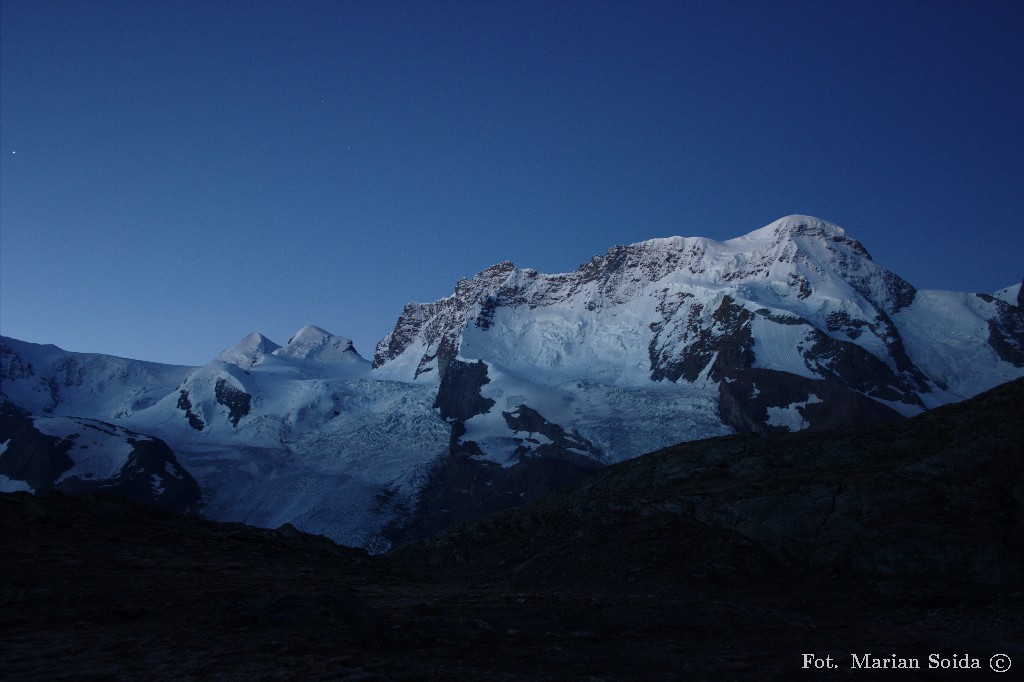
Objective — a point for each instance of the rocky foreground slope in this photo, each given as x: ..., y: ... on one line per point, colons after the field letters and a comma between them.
x: 728, y: 558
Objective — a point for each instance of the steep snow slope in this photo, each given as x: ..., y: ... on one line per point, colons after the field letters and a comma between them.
x: 947, y: 334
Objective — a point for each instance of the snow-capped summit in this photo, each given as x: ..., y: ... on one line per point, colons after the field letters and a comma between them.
x: 638, y: 311
x: 796, y: 225
x: 798, y: 295
x: 313, y: 343
x: 249, y: 352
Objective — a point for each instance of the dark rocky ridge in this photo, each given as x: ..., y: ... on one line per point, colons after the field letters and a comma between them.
x: 30, y: 455
x: 185, y: 404
x: 236, y: 400
x: 458, y: 396
x: 568, y: 446
x: 1006, y: 331
x: 461, y: 487
x: 151, y: 474
x: 727, y: 345
x: 723, y: 559
x: 745, y: 396
x: 727, y: 340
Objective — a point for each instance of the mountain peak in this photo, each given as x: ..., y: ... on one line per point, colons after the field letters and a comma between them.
x: 309, y: 334
x: 250, y: 351
x: 808, y: 234
x: 259, y: 340
x: 314, y: 343
x: 495, y: 273
x: 798, y: 265
x: 504, y: 267
x: 796, y: 225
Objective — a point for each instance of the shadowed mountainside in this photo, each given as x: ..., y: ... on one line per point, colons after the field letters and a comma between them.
x: 723, y: 559
x: 938, y: 497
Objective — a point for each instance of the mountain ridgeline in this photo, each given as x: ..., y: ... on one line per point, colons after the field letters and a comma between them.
x: 517, y: 384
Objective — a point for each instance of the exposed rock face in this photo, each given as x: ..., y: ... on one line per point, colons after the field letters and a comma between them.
x: 789, y: 327
x: 850, y: 365
x: 97, y: 457
x: 436, y: 326
x: 1006, y: 331
x: 185, y: 405
x: 722, y: 343
x: 152, y: 475
x: 236, y: 400
x: 765, y: 401
x: 31, y: 456
x: 462, y: 486
x: 458, y: 396
x: 528, y: 425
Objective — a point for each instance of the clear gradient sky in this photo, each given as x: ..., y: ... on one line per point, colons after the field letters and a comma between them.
x: 177, y: 174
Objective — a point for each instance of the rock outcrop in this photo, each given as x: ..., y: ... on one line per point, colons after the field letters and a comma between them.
x: 95, y: 456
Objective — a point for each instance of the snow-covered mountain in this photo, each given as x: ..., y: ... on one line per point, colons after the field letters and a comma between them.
x: 56, y: 430
x: 797, y: 296
x: 45, y: 380
x: 300, y: 433
x: 791, y: 326
x: 522, y: 381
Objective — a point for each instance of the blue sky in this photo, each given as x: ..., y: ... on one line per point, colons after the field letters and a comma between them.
x: 175, y: 175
